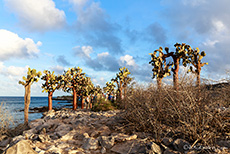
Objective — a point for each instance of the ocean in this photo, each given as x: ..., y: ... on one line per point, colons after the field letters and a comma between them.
x: 14, y: 105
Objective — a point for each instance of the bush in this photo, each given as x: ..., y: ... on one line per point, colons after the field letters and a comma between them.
x: 6, y: 120
x: 199, y: 116
x: 103, y: 105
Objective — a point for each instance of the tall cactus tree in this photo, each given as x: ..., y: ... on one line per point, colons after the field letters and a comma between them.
x: 52, y: 83
x: 32, y: 76
x: 122, y: 79
x: 195, y: 59
x: 161, y: 68
x: 109, y: 87
x: 72, y: 80
x: 181, y: 53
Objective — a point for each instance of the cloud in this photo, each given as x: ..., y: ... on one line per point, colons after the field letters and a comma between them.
x: 58, y: 69
x: 37, y: 15
x: 204, y: 24
x: 94, y: 25
x: 156, y: 34
x: 61, y: 59
x: 83, y: 51
x: 11, y: 45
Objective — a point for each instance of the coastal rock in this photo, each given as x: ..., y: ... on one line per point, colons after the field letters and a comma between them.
x: 181, y: 145
x: 107, y: 141
x: 5, y: 142
x: 153, y: 148
x: 89, y: 143
x: 167, y: 141
x: 22, y: 146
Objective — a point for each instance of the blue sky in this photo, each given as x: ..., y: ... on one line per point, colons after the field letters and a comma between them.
x: 102, y: 35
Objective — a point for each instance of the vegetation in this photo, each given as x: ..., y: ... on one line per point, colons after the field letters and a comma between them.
x: 32, y: 76
x: 122, y: 79
x: 52, y: 83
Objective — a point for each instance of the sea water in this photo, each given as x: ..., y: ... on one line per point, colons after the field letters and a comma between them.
x: 15, y: 105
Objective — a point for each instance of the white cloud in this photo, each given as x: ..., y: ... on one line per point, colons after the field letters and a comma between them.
x: 11, y: 45
x: 83, y: 51
x: 103, y: 54
x: 58, y: 69
x: 128, y: 61
x: 37, y: 15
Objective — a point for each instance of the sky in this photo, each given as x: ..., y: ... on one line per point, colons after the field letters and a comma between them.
x: 100, y: 36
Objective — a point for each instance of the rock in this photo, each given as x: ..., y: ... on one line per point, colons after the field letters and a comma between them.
x: 107, y: 141
x: 49, y: 114
x: 123, y: 137
x: 128, y: 147
x: 35, y: 123
x: 21, y: 147
x: 61, y: 133
x: 89, y: 143
x: 103, y: 150
x: 44, y: 138
x: 168, y: 151
x: 5, y: 142
x: 17, y: 139
x: 181, y: 145
x: 153, y: 148
x: 167, y: 141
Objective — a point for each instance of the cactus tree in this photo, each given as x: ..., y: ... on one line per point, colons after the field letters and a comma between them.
x: 122, y: 79
x: 52, y: 83
x: 73, y: 79
x: 109, y: 87
x: 32, y: 76
x: 160, y: 65
x: 195, y: 58
x: 181, y: 53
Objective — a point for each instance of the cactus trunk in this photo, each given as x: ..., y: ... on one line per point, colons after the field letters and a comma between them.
x: 198, y: 75
x: 82, y: 102
x: 74, y: 99
x: 175, y: 73
x: 159, y: 81
x: 50, y: 95
x: 27, y: 102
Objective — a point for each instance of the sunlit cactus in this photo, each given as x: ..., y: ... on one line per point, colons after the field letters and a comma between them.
x: 52, y: 83
x: 181, y: 53
x: 110, y: 87
x: 122, y: 79
x: 73, y: 79
x: 32, y: 76
x: 161, y: 68
x: 195, y: 59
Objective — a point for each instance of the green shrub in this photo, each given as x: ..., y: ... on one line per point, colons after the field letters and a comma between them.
x: 103, y: 105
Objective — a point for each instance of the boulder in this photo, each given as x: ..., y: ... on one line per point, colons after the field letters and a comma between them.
x: 21, y: 147
x: 107, y: 141
x: 181, y: 145
x: 89, y: 143
x: 167, y: 141
x: 153, y: 148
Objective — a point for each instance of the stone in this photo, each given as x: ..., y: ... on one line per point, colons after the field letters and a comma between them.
x: 167, y: 141
x: 5, y: 142
x: 168, y: 151
x: 17, y: 139
x: 44, y: 138
x: 35, y: 123
x: 107, y: 141
x: 89, y: 143
x: 123, y: 137
x: 153, y: 148
x: 103, y: 150
x: 128, y: 147
x: 181, y: 145
x: 21, y: 147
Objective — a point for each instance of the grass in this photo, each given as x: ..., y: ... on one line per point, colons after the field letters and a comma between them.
x: 196, y: 115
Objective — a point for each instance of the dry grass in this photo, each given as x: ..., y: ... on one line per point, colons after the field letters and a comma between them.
x: 5, y: 119
x: 198, y: 116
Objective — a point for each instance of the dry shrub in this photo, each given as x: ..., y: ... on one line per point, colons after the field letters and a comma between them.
x: 103, y: 105
x: 196, y: 115
x: 6, y: 120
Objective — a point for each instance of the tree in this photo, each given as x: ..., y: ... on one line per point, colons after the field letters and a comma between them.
x: 52, y: 83
x: 109, y: 87
x: 73, y: 80
x: 122, y: 79
x: 181, y: 53
x: 195, y: 60
x: 160, y: 65
x: 32, y: 76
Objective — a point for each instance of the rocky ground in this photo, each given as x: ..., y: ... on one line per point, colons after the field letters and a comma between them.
x: 86, y: 132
